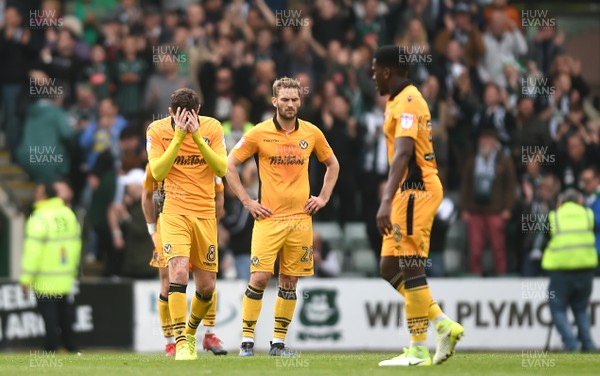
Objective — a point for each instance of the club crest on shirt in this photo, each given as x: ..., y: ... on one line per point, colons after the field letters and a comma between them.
x: 207, y: 140
x: 303, y: 144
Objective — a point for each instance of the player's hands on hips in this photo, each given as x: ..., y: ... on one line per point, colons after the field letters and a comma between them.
x: 193, y: 123
x: 384, y: 217
x: 257, y: 210
x: 314, y: 204
x: 180, y: 118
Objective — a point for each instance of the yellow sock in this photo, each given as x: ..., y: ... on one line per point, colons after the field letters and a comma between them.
x: 285, y: 304
x: 200, y: 305
x: 434, y: 309
x: 251, y: 305
x: 211, y: 316
x: 178, y: 310
x: 417, y: 300
x: 165, y: 316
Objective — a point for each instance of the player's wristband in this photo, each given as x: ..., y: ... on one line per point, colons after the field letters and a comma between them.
x: 151, y: 228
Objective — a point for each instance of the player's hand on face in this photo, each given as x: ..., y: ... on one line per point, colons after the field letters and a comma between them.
x: 180, y: 118
x: 313, y: 205
x: 193, y: 123
x: 257, y: 210
x: 384, y: 218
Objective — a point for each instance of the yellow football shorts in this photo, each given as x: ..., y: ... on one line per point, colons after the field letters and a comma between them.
x: 196, y: 238
x: 413, y: 212
x: 291, y: 238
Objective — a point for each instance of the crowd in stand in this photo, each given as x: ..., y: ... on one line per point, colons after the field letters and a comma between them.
x: 513, y: 119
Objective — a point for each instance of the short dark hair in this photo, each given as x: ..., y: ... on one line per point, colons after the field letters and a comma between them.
x: 393, y: 57
x: 185, y: 98
x: 49, y: 190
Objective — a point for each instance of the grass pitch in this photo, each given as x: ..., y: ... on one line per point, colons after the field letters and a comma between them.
x: 121, y: 364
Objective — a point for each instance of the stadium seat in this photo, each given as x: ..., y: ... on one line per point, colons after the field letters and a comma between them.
x: 355, y: 235
x: 364, y: 261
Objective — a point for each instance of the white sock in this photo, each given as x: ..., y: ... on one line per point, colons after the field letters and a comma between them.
x: 419, y: 343
x: 278, y: 340
x: 247, y: 339
x: 170, y: 340
x: 210, y: 329
x: 440, y: 317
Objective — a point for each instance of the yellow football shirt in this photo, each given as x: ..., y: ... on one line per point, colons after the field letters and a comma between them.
x: 282, y: 161
x: 189, y: 186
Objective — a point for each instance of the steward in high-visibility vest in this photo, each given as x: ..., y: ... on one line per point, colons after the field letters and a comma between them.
x: 570, y: 259
x: 52, y: 248
x: 572, y: 242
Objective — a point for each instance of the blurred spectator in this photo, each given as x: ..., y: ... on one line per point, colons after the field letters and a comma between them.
x: 102, y: 134
x: 325, y: 258
x: 570, y: 259
x: 48, y: 140
x: 163, y: 83
x: 131, y: 150
x: 590, y: 180
x: 571, y: 162
x: 239, y: 223
x: 97, y: 73
x: 91, y: 14
x: 495, y: 116
x: 218, y: 99
x: 544, y: 47
x: 129, y: 230
x: 331, y: 22
x: 416, y: 43
x: 530, y: 133
x: 129, y: 76
x: 487, y: 199
x: 459, y: 26
x: 504, y: 44
x: 50, y: 265
x: 439, y: 115
x: 374, y: 168
x: 540, y: 194
x: 340, y: 130
x: 18, y: 52
x: 102, y: 181
x: 463, y: 106
x: 371, y: 27
x: 237, y: 125
x: 83, y: 111
x: 449, y: 68
x: 62, y: 66
x: 502, y: 6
